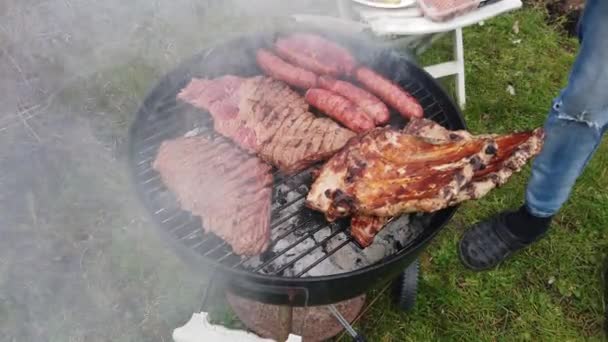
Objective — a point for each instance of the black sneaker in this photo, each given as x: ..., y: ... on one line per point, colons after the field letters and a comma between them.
x: 488, y: 243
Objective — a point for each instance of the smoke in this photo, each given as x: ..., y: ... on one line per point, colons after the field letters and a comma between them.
x: 81, y: 36
x: 79, y: 260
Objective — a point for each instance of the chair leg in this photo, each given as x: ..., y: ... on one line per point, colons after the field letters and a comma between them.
x: 459, y: 56
x: 428, y: 41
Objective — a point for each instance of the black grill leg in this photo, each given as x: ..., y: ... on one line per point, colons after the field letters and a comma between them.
x: 349, y: 328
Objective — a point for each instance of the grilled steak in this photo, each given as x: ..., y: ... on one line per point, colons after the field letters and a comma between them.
x: 265, y: 116
x: 227, y: 188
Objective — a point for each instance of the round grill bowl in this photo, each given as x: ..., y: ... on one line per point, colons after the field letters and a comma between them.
x: 162, y: 117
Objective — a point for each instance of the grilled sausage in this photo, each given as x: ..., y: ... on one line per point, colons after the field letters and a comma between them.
x: 277, y: 68
x: 391, y: 93
x: 372, y: 105
x: 316, y: 54
x: 340, y: 108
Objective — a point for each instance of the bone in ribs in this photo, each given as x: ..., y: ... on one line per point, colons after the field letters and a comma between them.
x: 265, y: 116
x: 364, y: 228
x: 514, y: 151
x: 387, y: 172
x: 227, y: 188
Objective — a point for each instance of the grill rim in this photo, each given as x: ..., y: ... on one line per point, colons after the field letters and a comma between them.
x: 448, y: 106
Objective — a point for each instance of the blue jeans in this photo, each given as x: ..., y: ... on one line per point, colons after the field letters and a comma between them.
x: 577, y: 120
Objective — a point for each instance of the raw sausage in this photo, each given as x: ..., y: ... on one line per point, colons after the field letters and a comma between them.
x: 372, y: 105
x: 316, y: 54
x: 391, y: 93
x: 296, y: 53
x: 277, y: 68
x: 340, y: 108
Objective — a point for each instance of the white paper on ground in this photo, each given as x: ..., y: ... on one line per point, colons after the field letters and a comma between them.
x: 198, y: 329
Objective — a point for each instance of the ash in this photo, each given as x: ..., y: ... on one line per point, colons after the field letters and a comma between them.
x: 308, y: 247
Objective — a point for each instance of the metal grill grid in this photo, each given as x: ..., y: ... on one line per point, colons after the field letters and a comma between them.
x: 166, y: 120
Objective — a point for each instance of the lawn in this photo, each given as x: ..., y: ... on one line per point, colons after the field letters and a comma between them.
x: 551, y: 292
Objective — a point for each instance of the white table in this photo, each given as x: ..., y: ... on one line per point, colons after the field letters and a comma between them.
x: 407, y: 25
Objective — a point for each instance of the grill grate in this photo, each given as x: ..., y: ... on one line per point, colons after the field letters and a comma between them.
x: 296, y: 231
x: 289, y: 216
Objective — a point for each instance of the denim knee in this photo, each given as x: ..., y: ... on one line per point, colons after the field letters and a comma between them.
x: 582, y: 111
x: 570, y: 142
x: 585, y: 99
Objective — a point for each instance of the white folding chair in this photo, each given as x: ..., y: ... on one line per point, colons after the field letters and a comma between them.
x: 408, y: 26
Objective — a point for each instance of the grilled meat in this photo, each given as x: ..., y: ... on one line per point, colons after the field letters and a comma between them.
x: 316, y: 54
x: 277, y: 68
x: 265, y: 116
x: 341, y: 109
x: 364, y: 228
x: 391, y: 93
x: 229, y: 189
x: 386, y: 172
x: 514, y: 150
x: 372, y: 105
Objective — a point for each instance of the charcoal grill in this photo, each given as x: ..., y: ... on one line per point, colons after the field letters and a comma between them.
x: 162, y: 117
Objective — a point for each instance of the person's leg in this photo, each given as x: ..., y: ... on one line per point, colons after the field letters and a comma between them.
x: 577, y: 120
x: 573, y: 132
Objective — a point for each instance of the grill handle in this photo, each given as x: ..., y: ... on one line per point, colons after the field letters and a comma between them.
x: 270, y: 294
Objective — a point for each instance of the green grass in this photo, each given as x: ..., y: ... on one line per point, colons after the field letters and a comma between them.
x: 553, y: 290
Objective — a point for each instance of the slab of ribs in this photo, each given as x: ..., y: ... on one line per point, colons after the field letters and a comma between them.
x: 422, y: 168
x: 375, y: 172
